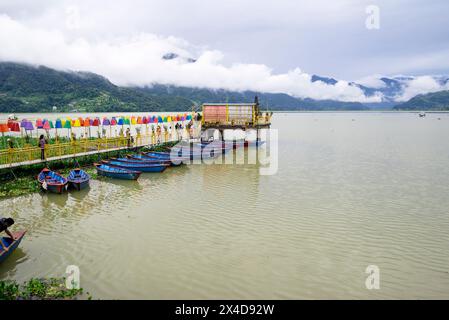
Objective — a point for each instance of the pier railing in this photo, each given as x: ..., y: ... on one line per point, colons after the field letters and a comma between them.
x: 32, y: 154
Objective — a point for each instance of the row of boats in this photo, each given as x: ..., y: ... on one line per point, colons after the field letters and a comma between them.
x: 132, y: 166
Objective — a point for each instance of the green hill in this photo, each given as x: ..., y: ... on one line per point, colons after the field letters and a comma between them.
x: 437, y: 101
x: 25, y: 88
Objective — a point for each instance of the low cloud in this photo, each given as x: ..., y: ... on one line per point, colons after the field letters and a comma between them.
x: 137, y: 61
x: 420, y: 85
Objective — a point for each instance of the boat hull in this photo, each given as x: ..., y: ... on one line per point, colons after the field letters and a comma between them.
x: 122, y: 174
x: 79, y: 185
x: 11, y: 245
x: 137, y: 167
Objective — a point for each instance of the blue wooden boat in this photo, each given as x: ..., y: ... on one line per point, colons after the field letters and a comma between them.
x: 52, y: 181
x: 159, y: 155
x: 143, y: 167
x: 116, y: 172
x: 10, y: 244
x: 140, y: 160
x: 78, y: 179
x: 174, y: 162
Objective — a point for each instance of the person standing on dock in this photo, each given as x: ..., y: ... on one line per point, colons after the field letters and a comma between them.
x: 5, y: 223
x: 42, y: 143
x: 128, y: 136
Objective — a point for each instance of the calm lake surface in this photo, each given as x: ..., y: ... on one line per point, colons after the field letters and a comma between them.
x: 352, y: 190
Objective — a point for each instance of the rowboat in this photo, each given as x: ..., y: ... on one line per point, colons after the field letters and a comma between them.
x: 78, y: 179
x: 116, y: 172
x: 174, y: 162
x: 52, y: 181
x: 143, y: 167
x: 145, y: 160
x: 10, y: 244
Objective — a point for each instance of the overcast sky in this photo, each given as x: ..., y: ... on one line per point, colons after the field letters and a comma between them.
x: 240, y: 44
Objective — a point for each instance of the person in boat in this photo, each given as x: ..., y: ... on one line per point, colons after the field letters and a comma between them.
x: 42, y: 143
x: 5, y: 223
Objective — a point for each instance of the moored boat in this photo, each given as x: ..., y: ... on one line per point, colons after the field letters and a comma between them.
x: 52, y: 181
x: 10, y: 244
x: 78, y: 179
x: 116, y: 172
x: 143, y: 167
x: 139, y: 160
x: 174, y: 162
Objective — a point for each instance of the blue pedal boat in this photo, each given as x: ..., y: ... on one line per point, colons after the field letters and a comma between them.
x: 143, y: 167
x: 10, y: 244
x: 78, y: 179
x: 52, y: 181
x: 116, y: 172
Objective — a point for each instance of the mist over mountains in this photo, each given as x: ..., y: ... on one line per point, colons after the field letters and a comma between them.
x: 27, y: 88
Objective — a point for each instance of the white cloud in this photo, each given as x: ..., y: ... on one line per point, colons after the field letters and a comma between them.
x: 137, y: 60
x: 420, y: 85
x: 372, y: 81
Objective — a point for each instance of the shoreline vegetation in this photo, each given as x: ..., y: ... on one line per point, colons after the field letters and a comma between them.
x: 40, y: 289
x: 23, y: 181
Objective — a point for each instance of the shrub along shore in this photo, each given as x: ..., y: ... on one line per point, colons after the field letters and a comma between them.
x: 40, y: 289
x: 21, y: 181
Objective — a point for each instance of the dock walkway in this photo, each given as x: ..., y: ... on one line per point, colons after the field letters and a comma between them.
x: 18, y: 157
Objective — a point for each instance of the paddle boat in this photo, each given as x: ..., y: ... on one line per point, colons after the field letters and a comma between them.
x: 143, y: 167
x: 116, y: 172
x: 78, y: 179
x: 10, y: 244
x: 52, y: 181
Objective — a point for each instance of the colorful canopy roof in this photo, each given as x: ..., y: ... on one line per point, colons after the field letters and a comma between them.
x: 4, y: 127
x: 58, y: 124
x: 27, y: 125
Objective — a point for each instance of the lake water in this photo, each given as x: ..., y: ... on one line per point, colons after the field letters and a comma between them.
x: 352, y: 190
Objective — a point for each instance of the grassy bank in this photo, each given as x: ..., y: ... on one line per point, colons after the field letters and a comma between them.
x: 23, y: 180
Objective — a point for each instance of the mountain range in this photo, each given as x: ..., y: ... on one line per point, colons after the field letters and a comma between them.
x: 26, y: 88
